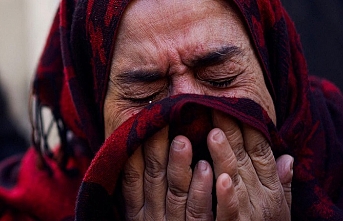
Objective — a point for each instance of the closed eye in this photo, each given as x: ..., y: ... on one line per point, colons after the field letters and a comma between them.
x: 220, y: 83
x: 149, y: 93
x: 143, y: 100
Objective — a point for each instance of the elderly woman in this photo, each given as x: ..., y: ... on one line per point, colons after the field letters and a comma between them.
x: 177, y: 110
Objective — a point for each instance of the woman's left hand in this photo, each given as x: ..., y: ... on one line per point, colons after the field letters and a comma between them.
x: 249, y: 181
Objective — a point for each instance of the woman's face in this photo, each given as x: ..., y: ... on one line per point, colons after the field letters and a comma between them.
x: 165, y: 47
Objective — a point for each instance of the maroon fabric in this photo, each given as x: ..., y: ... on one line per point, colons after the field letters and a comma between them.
x: 35, y: 194
x: 72, y: 78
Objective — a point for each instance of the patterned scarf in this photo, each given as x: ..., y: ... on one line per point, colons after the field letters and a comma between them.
x: 72, y: 79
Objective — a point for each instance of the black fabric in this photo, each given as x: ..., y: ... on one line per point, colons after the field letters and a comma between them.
x: 320, y: 25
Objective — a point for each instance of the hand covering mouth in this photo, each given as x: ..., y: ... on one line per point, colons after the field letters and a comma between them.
x: 188, y: 115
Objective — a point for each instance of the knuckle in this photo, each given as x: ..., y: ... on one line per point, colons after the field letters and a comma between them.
x: 229, y: 164
x: 231, y: 126
x: 236, y: 178
x: 175, y: 169
x: 177, y: 191
x: 179, y: 180
x: 239, y: 151
x: 131, y: 177
x: 156, y: 177
x: 261, y: 148
x: 233, y: 134
x: 194, y: 211
x: 244, y: 162
x: 154, y: 168
x: 175, y: 201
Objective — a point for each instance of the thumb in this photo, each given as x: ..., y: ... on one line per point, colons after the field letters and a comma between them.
x: 284, y: 166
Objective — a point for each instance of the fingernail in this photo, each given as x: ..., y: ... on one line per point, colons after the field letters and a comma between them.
x: 178, y: 145
x: 291, y: 166
x: 219, y: 136
x: 202, y: 165
x: 226, y: 182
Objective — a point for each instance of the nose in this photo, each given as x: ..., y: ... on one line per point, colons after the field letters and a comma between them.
x: 184, y: 84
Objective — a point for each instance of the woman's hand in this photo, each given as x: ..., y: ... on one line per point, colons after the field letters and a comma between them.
x: 250, y: 185
x: 160, y: 185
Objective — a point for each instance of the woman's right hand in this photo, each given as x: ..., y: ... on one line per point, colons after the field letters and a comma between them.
x: 159, y: 183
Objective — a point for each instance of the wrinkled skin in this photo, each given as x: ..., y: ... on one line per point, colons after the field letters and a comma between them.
x: 164, y: 48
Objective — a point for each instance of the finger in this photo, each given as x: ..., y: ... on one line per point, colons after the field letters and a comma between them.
x: 199, y: 203
x: 261, y: 157
x: 179, y: 174
x: 133, y: 186
x: 232, y: 132
x: 228, y: 204
x: 155, y: 176
x: 284, y: 166
x: 224, y: 160
x: 234, y: 136
x: 265, y: 192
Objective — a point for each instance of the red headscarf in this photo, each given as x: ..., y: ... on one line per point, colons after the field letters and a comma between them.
x: 72, y: 79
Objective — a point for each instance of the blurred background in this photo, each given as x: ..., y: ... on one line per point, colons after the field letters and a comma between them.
x: 24, y: 25
x: 320, y: 25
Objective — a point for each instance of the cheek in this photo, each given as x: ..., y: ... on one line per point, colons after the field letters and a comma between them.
x: 255, y: 89
x: 115, y: 115
x: 251, y: 85
x: 262, y: 96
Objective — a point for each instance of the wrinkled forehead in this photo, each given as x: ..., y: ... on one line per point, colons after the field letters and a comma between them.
x: 169, y: 18
x: 245, y: 13
x: 165, y: 8
x: 185, y: 29
x: 142, y: 16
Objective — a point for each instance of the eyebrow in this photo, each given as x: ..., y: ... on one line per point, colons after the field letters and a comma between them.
x: 139, y: 76
x: 210, y: 58
x: 217, y: 56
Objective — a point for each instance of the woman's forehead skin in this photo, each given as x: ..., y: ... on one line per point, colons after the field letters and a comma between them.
x: 168, y: 47
x: 174, y: 30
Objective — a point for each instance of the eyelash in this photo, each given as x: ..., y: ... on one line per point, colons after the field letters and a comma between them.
x: 144, y: 100
x: 222, y: 83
